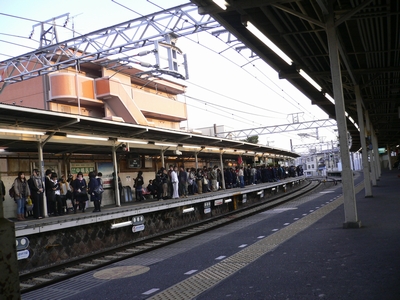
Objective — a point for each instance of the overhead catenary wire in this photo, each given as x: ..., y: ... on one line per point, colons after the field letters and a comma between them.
x: 252, y: 74
x: 229, y: 108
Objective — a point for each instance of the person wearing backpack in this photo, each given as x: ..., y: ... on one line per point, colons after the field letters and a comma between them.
x: 21, y: 192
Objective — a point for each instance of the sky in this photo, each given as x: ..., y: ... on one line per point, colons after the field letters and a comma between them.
x: 230, y: 89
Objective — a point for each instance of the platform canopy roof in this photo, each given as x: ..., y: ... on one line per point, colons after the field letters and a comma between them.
x: 368, y: 35
x: 60, y: 133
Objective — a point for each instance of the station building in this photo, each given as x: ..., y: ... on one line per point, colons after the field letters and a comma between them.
x: 102, y: 116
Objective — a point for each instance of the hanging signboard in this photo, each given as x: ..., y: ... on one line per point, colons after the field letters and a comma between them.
x: 85, y: 168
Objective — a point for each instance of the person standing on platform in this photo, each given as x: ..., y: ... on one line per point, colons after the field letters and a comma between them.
x: 49, y: 192
x: 92, y: 187
x: 80, y: 192
x: 119, y: 182
x: 2, y: 190
x: 36, y: 188
x: 65, y: 193
x: 241, y: 177
x: 175, y: 183
x: 165, y: 183
x: 100, y: 181
x: 22, y: 192
x: 58, y: 207
x: 183, y: 181
x: 199, y: 181
x: 158, y: 184
x: 139, y: 186
x: 214, y: 176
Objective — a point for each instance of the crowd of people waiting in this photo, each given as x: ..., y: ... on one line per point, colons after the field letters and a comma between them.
x: 172, y: 183
x: 64, y: 195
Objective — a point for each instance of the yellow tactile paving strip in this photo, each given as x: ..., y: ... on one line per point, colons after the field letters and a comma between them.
x: 204, y: 280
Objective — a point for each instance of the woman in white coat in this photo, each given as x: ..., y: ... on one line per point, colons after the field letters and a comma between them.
x: 175, y: 183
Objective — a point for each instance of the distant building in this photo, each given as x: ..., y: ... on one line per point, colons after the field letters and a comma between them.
x: 105, y: 90
x: 217, y: 131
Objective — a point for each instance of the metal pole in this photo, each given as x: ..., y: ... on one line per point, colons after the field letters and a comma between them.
x: 222, y: 171
x: 371, y: 157
x: 376, y: 153
x: 116, y: 187
x: 389, y: 161
x: 350, y: 210
x: 367, y: 177
x: 41, y: 164
x: 162, y: 159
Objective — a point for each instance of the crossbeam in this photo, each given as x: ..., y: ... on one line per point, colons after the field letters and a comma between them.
x: 245, y: 133
x: 121, y: 38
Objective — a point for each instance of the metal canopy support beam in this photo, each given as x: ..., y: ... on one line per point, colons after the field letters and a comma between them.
x: 42, y: 174
x: 389, y: 155
x: 350, y: 210
x: 116, y: 186
x: 162, y: 158
x: 222, y: 171
x: 367, y: 177
x: 245, y: 133
x: 371, y: 157
x: 376, y: 155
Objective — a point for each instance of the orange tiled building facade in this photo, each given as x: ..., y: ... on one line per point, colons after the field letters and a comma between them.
x: 97, y: 91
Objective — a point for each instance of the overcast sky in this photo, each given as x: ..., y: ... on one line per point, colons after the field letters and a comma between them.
x: 222, y: 89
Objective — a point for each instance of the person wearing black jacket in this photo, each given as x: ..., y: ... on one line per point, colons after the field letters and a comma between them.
x: 2, y: 190
x: 50, y: 196
x: 36, y: 186
x: 139, y: 186
x: 92, y: 187
x: 80, y: 192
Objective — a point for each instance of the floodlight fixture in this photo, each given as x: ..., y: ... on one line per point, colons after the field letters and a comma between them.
x: 87, y: 137
x: 132, y: 141
x: 18, y: 131
x: 310, y: 80
x: 257, y: 33
x: 165, y: 145
x: 221, y: 3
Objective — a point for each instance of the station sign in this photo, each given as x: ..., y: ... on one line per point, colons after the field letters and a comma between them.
x: 218, y: 202
x: 207, y: 210
x: 22, y: 243
x: 138, y: 228
x: 22, y: 254
x: 244, y: 198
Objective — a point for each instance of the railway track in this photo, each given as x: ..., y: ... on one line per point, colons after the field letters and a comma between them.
x: 45, y: 277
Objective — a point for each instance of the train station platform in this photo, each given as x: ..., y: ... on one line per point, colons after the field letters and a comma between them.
x: 325, y: 261
x: 297, y: 251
